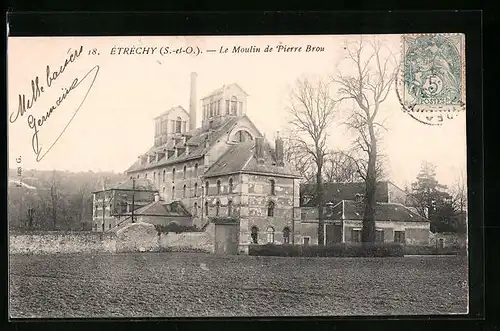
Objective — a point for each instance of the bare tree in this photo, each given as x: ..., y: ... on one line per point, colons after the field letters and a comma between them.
x: 340, y: 168
x: 54, y: 197
x: 458, y: 193
x: 311, y: 109
x: 298, y: 157
x: 368, y: 85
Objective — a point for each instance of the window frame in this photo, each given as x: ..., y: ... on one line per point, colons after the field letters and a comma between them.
x: 271, y: 206
x: 270, y: 234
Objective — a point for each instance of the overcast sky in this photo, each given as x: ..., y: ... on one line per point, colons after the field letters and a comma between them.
x: 115, y: 122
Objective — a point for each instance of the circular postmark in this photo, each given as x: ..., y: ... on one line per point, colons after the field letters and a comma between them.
x: 430, y: 82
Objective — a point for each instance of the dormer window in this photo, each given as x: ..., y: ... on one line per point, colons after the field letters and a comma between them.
x: 358, y: 197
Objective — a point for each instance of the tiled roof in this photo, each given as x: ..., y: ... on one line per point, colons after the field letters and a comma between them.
x: 160, y: 208
x: 141, y: 184
x: 352, y: 210
x: 224, y: 87
x: 335, y: 192
x: 197, y: 140
x: 172, y: 109
x: 383, y: 212
x: 240, y: 157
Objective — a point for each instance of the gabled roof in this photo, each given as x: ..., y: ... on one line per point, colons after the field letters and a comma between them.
x: 197, y: 140
x: 141, y: 184
x: 335, y: 192
x: 223, y: 88
x: 383, y: 212
x: 241, y: 158
x: 162, y: 209
x: 353, y: 210
x: 179, y: 107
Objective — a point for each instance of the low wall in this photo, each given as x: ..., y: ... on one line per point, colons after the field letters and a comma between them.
x: 455, y: 240
x: 62, y: 242
x: 134, y: 237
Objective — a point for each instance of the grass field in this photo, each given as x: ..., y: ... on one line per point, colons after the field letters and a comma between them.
x: 174, y: 284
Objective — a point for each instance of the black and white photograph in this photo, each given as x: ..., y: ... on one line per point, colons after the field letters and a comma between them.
x: 237, y: 176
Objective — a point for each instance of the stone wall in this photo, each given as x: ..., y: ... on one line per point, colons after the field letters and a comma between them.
x: 456, y: 240
x: 62, y: 242
x: 133, y: 237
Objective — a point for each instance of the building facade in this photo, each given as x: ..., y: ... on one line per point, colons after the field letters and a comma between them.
x: 222, y: 169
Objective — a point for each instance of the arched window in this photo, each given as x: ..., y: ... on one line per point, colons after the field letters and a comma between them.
x: 196, y: 170
x: 195, y: 209
x: 217, y: 208
x: 270, y: 208
x: 154, y: 175
x: 146, y: 175
x: 130, y: 177
x: 286, y: 235
x: 195, y: 193
x: 230, y: 185
x: 273, y: 187
x: 234, y: 105
x: 173, y: 174
x: 254, y: 234
x: 164, y: 173
x: 270, y: 235
x: 184, y: 191
x: 206, y: 187
x: 184, y: 170
x: 173, y: 192
x: 218, y: 187
x: 230, y: 208
x: 163, y: 189
x: 206, y: 208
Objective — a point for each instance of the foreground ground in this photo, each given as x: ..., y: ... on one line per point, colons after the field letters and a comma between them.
x: 168, y: 284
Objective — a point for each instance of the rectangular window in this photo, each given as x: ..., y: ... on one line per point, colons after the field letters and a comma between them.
x: 356, y: 235
x: 399, y: 237
x: 379, y: 236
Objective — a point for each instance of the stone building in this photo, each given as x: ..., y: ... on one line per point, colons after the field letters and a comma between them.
x: 113, y: 205
x: 224, y: 170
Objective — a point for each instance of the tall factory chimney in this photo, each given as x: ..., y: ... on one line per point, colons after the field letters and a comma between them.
x: 192, y: 103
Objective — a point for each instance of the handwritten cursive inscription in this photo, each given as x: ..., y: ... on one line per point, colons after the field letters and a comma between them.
x: 37, y: 90
x: 36, y: 124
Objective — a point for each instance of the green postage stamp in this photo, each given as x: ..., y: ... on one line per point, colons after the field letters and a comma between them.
x: 432, y: 76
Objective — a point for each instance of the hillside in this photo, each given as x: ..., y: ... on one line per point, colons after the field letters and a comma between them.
x: 56, y: 200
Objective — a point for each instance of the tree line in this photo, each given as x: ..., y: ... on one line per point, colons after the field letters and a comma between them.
x: 358, y: 91
x: 54, y: 200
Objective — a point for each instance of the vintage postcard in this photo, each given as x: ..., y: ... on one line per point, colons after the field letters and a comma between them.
x: 208, y: 176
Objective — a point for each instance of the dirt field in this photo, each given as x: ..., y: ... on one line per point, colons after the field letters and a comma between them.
x: 168, y: 284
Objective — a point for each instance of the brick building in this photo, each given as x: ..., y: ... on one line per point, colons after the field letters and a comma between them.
x: 394, y: 222
x: 224, y: 170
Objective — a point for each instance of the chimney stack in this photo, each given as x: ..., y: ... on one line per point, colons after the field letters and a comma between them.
x: 192, y: 103
x: 157, y: 197
x: 259, y: 149
x: 279, y: 151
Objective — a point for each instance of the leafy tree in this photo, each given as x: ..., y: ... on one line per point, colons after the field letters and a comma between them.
x: 432, y: 201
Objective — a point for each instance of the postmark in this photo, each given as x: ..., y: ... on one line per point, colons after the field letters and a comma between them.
x: 431, y: 79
